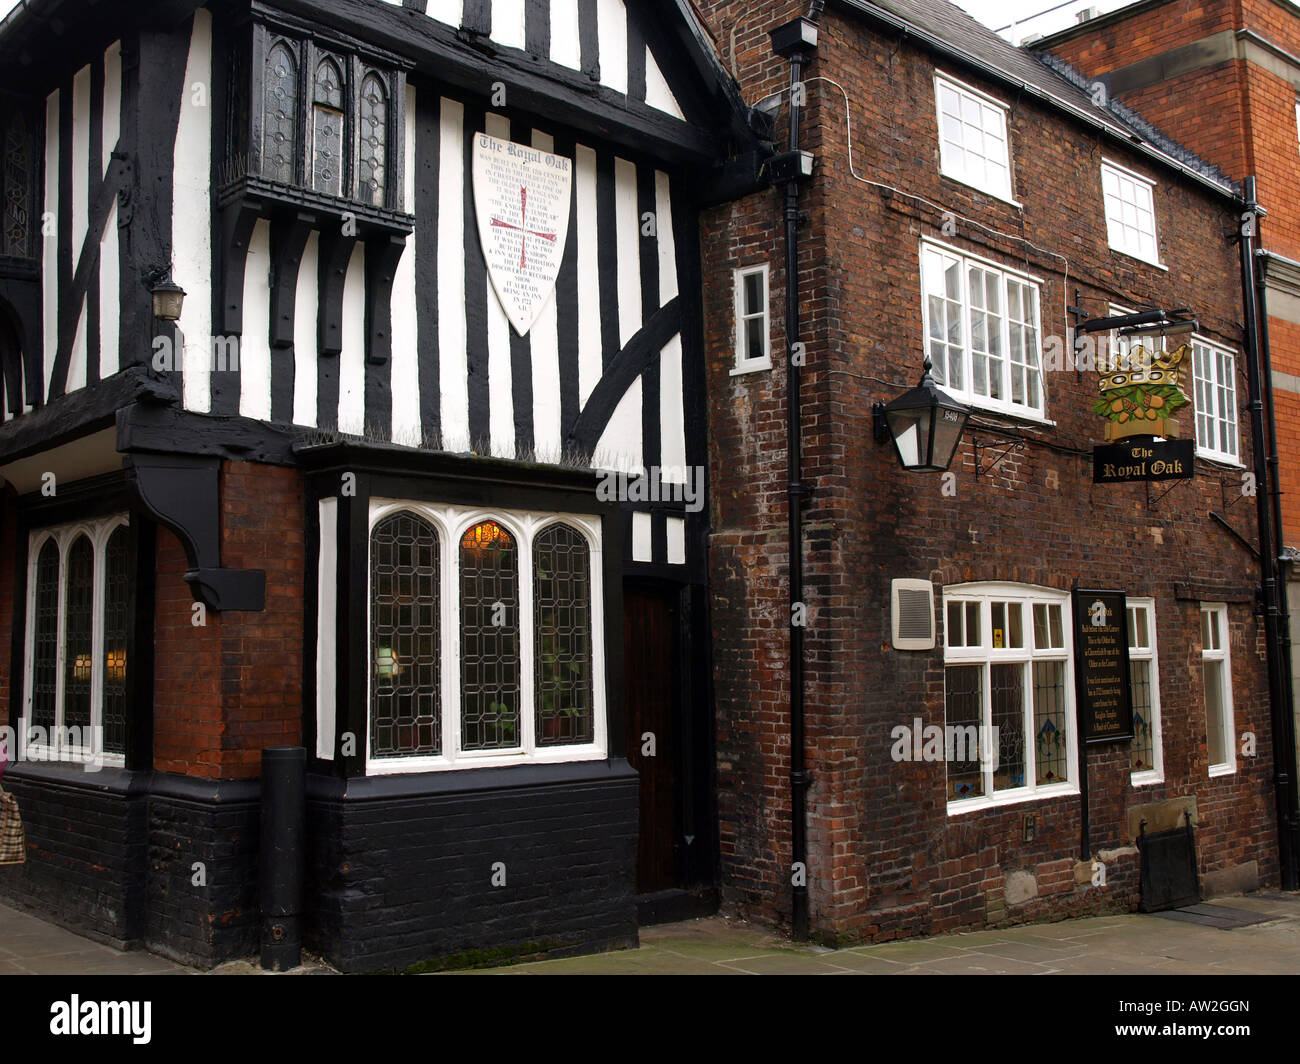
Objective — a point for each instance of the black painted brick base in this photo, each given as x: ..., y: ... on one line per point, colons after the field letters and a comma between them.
x: 395, y: 881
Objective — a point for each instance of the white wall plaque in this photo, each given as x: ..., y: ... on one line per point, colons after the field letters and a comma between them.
x: 522, y: 198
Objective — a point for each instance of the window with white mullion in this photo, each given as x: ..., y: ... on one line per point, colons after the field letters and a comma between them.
x: 1130, y: 213
x: 973, y: 146
x: 945, y: 296
x: 984, y: 297
x: 1007, y: 673
x: 1216, y: 674
x: 1145, y: 754
x: 1214, y: 377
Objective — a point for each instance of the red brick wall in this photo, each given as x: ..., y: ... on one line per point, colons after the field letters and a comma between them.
x: 885, y: 858
x: 226, y: 690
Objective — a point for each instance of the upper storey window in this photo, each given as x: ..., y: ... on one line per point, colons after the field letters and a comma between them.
x: 1130, y: 212
x: 315, y: 118
x: 19, y: 238
x: 973, y: 145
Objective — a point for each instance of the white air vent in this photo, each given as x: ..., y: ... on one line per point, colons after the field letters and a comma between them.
x: 1087, y: 14
x: 913, y: 614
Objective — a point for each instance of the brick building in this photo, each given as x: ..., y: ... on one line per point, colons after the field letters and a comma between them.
x: 488, y: 510
x: 1224, y: 79
x: 971, y: 203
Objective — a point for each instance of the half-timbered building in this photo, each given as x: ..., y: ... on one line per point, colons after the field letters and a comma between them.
x: 440, y: 278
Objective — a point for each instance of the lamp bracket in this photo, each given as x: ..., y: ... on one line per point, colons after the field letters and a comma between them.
x: 1012, y: 447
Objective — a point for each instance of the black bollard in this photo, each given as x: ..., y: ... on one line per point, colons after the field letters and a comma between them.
x: 284, y: 774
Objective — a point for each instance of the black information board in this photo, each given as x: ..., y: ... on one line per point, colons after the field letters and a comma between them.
x: 1101, y: 665
x: 1143, y: 458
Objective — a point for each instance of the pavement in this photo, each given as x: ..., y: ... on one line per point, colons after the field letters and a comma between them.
x: 1244, y: 935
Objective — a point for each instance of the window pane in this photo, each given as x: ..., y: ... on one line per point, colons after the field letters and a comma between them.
x: 1212, y: 672
x: 280, y: 108
x: 973, y: 637
x: 1049, y: 722
x: 755, y: 339
x: 373, y: 141
x: 562, y: 610
x: 954, y: 632
x: 79, y: 614
x: 998, y: 621
x: 1142, y: 751
x: 1007, y: 687
x: 117, y: 597
x: 327, y: 129
x: 963, y: 708
x: 754, y: 294
x: 46, y: 636
x: 405, y: 639
x: 1015, y: 625
x: 489, y: 632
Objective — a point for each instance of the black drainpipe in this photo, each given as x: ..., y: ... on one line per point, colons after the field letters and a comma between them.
x: 1277, y: 638
x: 797, y: 492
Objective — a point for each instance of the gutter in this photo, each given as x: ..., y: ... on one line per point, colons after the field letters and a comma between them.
x: 1130, y: 140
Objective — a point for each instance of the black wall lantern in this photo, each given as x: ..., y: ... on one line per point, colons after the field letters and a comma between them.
x: 168, y: 299
x: 925, y: 424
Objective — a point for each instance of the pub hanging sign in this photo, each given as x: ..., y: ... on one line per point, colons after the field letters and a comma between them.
x: 1137, y: 400
x: 1101, y: 670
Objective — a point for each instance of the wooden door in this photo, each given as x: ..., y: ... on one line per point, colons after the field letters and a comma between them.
x: 651, y: 679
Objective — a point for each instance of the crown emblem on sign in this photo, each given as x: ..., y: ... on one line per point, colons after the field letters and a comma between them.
x: 1141, y: 391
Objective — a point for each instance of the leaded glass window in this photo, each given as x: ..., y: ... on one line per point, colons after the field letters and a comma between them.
x: 562, y: 637
x: 79, y: 611
x: 117, y: 605
x: 280, y: 115
x: 489, y: 632
x: 45, y: 633
x: 1007, y: 677
x: 372, y: 145
x: 1216, y: 673
x: 405, y: 650
x: 327, y: 128
x: 78, y: 622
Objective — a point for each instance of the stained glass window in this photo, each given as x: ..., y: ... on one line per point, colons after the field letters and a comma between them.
x: 45, y: 632
x: 405, y: 575
x: 964, y: 702
x: 327, y: 128
x: 562, y: 637
x: 489, y: 632
x: 78, y: 623
x: 1007, y: 684
x: 372, y: 147
x: 117, y: 598
x: 1050, y: 750
x: 280, y: 123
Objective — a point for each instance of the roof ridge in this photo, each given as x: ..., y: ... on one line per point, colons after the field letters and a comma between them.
x: 1145, y: 129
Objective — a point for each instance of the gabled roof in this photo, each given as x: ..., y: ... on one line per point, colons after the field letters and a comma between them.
x: 946, y: 28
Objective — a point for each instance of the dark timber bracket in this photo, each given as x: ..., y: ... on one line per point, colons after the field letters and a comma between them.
x: 382, y: 256
x: 181, y: 492
x: 335, y: 254
x: 237, y: 221
x: 289, y: 235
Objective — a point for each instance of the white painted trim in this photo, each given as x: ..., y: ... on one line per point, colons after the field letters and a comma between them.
x: 50, y: 260
x: 672, y: 417
x: 1007, y: 193
x: 984, y: 594
x: 628, y: 238
x: 676, y: 541
x: 642, y: 541
x: 327, y: 630
x: 1132, y: 175
x: 744, y: 364
x: 1213, y: 454
x: 544, y: 348
x: 451, y: 522
x: 667, y: 238
x: 453, y: 364
x: 658, y: 93
x: 306, y: 308
x: 1224, y: 654
x: 1156, y: 774
x: 508, y: 24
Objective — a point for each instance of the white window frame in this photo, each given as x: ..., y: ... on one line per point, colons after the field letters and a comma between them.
x: 451, y: 523
x: 966, y: 392
x: 1223, y: 654
x: 98, y: 533
x: 1143, y: 199
x: 948, y: 151
x: 1149, y: 653
x: 744, y: 364
x: 1213, y: 387
x: 984, y: 595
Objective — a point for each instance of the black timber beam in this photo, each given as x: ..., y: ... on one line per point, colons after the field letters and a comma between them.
x: 81, y: 412
x: 154, y: 429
